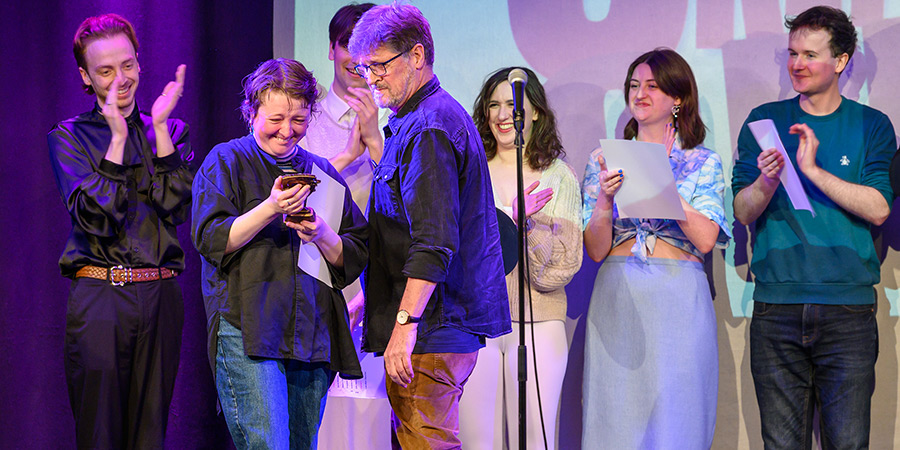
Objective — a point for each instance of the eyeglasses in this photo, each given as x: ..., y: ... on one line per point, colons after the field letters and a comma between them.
x: 377, y: 69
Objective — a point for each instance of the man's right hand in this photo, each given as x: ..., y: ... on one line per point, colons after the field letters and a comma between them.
x: 356, y: 309
x: 352, y: 150
x: 355, y: 146
x: 361, y: 101
x: 117, y: 126
x: 398, y: 354
x: 770, y: 163
x: 752, y: 200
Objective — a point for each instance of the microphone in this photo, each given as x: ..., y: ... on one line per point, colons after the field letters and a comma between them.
x: 517, y: 79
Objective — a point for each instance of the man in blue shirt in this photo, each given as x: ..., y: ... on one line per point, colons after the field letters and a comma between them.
x: 435, y: 284
x: 813, y: 337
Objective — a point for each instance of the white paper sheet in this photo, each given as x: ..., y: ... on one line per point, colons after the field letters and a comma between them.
x: 328, y: 202
x: 648, y: 190
x: 767, y: 137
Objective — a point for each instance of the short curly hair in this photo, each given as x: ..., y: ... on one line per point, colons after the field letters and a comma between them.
x: 832, y: 20
x: 278, y: 75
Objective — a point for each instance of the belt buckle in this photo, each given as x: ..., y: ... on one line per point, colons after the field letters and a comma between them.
x: 129, y: 278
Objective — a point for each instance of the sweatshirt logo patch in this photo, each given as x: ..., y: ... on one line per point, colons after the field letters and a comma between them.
x: 845, y: 161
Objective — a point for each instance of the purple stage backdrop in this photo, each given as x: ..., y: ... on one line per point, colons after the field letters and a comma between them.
x: 220, y: 42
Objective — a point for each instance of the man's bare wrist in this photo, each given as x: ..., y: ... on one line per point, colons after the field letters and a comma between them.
x: 813, y: 173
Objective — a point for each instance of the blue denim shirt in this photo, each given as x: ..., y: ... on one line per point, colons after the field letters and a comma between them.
x: 432, y: 217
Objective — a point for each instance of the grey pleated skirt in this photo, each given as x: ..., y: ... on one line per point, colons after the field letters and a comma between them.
x: 651, y: 359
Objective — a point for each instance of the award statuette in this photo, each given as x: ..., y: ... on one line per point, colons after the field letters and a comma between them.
x: 303, y: 179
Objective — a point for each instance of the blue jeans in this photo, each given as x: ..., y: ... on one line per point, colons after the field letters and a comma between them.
x: 268, y: 403
x: 805, y: 357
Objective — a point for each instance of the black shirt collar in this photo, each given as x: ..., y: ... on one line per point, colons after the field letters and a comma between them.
x: 429, y: 88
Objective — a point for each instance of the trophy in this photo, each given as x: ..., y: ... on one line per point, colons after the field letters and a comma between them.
x: 304, y: 179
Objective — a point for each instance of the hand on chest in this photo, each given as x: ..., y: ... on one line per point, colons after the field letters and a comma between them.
x: 504, y: 181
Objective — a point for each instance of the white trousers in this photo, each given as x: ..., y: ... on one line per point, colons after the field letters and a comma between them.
x: 489, y: 408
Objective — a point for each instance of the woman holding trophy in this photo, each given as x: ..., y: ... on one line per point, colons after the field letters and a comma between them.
x: 277, y: 333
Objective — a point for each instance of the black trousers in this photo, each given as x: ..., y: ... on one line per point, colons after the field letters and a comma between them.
x: 122, y: 349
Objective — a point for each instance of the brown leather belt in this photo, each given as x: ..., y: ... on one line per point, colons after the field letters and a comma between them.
x: 119, y: 275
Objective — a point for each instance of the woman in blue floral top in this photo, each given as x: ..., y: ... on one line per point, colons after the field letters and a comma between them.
x: 651, y: 359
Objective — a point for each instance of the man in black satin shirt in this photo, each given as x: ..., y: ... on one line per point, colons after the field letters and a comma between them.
x: 123, y: 177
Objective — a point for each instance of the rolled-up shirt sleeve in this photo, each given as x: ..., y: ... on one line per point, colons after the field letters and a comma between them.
x: 429, y: 187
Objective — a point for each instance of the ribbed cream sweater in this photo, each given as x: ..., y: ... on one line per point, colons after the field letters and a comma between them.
x: 554, y: 246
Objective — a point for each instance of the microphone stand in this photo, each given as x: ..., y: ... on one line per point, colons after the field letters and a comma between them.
x: 518, y: 121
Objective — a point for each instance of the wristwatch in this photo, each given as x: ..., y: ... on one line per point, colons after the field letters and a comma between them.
x: 404, y: 318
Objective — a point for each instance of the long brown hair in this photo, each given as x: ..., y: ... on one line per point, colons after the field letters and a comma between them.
x: 544, y: 145
x: 674, y: 77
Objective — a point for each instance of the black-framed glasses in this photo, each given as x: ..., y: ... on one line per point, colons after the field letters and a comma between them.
x: 378, y: 69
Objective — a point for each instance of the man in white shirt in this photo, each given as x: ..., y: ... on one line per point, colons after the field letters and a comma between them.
x: 347, y: 128
x: 347, y: 131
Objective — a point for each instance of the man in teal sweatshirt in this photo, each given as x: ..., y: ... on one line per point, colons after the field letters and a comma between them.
x: 813, y: 337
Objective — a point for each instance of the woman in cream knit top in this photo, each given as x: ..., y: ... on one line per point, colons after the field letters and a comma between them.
x: 554, y: 245
x: 553, y: 227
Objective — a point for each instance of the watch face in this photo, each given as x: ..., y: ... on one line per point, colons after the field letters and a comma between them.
x: 402, y: 317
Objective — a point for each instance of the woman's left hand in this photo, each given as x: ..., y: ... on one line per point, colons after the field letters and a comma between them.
x: 310, y: 231
x: 321, y: 234
x: 670, y: 137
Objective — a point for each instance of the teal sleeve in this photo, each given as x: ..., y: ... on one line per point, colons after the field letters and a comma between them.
x: 882, y: 144
x: 745, y: 171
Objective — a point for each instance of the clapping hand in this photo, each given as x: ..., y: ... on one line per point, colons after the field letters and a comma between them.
x: 166, y: 101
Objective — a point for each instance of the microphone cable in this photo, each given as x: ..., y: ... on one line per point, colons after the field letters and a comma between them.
x: 537, y: 385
